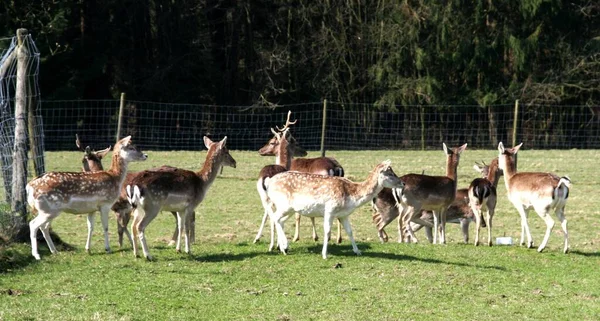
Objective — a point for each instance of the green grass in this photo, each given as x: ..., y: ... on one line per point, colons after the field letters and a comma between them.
x: 228, y: 277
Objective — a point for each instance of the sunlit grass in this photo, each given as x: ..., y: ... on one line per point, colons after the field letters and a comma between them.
x: 228, y: 277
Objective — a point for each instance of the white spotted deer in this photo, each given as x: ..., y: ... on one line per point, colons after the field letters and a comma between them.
x: 433, y: 193
x: 541, y: 191
x: 79, y: 193
x: 176, y: 190
x: 329, y: 197
x: 319, y: 165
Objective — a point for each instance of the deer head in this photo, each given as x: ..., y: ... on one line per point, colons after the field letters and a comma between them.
x: 272, y: 146
x: 92, y: 160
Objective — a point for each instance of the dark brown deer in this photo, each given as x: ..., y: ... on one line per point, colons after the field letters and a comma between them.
x: 483, y: 197
x: 174, y: 189
x: 541, y: 191
x: 320, y: 165
x: 79, y: 193
x: 92, y: 160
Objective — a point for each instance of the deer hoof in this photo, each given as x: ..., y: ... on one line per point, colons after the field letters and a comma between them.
x: 171, y: 243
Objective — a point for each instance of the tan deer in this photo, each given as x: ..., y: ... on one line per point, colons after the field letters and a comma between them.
x: 79, y: 193
x: 543, y: 192
x: 433, y: 193
x: 483, y: 197
x: 319, y: 165
x: 174, y: 189
x: 329, y: 197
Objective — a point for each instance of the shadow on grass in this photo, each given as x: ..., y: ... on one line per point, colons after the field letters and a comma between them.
x: 17, y: 255
x: 586, y: 254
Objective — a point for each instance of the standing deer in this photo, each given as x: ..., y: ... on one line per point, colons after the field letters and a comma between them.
x: 329, y: 197
x: 483, y: 197
x: 434, y: 193
x: 543, y: 192
x: 92, y: 162
x: 79, y: 193
x: 174, y: 189
x: 320, y: 165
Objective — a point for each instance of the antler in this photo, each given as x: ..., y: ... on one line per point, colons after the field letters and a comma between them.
x: 287, y: 122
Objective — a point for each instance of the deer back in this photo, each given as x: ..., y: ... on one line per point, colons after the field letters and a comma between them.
x: 429, y: 191
x: 318, y: 165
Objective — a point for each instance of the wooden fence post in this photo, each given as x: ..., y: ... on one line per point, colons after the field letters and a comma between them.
x: 120, y: 121
x: 19, y: 178
x: 323, y: 128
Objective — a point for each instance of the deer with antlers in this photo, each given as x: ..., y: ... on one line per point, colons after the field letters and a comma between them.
x: 320, y: 165
x: 79, y: 193
x: 174, y: 189
x: 541, y: 191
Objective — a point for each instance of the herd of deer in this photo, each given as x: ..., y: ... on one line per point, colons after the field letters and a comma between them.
x: 313, y: 187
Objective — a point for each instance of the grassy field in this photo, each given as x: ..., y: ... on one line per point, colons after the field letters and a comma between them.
x: 227, y: 277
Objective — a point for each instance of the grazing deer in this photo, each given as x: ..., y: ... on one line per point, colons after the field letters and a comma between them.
x: 174, y: 189
x: 79, y: 193
x: 483, y: 197
x: 543, y: 192
x: 320, y: 165
x: 434, y: 193
x: 329, y: 197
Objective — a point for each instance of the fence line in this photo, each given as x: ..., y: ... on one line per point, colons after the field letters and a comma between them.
x: 162, y: 126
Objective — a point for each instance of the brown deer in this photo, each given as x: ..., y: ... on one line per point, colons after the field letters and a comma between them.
x: 329, y: 197
x: 541, y: 191
x: 434, y: 193
x: 320, y: 165
x: 92, y: 162
x: 174, y: 189
x: 483, y: 197
x: 79, y: 193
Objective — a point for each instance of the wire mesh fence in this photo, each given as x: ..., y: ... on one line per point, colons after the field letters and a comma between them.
x: 161, y: 126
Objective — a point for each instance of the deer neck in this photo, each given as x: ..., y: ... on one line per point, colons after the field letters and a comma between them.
x: 451, y: 165
x: 510, y: 170
x: 284, y: 154
x: 367, y: 189
x: 493, y: 174
x: 211, y: 167
x: 118, y: 167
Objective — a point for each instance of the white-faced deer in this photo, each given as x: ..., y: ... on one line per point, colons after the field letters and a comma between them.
x: 329, y: 197
x: 434, y: 193
x: 483, y: 196
x: 543, y: 192
x: 174, y: 189
x: 79, y: 193
x: 320, y: 165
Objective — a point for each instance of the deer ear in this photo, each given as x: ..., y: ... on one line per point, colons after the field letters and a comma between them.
x: 445, y: 148
x: 516, y: 148
x: 462, y: 148
x: 223, y: 141
x: 477, y: 168
x: 102, y: 153
x: 207, y: 142
x: 125, y: 140
x: 501, y: 148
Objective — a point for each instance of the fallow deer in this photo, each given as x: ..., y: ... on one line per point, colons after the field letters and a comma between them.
x: 92, y: 162
x: 174, y: 189
x: 329, y: 197
x: 320, y: 165
x: 541, y: 191
x: 483, y: 197
x: 79, y: 193
x: 434, y: 193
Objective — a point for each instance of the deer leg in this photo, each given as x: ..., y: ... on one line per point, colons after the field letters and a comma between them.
x: 314, y: 229
x: 339, y: 230
x: 443, y: 226
x: 104, y: 218
x: 175, y: 236
x: 262, y: 225
x: 490, y: 215
x: 90, y: 226
x: 180, y: 230
x: 184, y: 228
x: 45, y: 228
x: 191, y: 224
x: 524, y: 226
x: 297, y: 230
x: 545, y: 215
x: 560, y: 213
x: 146, y: 219
x: 327, y: 222
x: 348, y: 227
x: 34, y: 225
x: 477, y: 214
x: 134, y: 232
x: 282, y: 242
x: 464, y: 227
